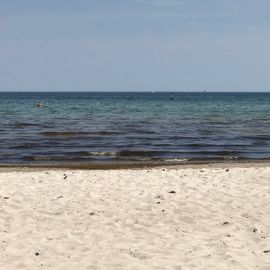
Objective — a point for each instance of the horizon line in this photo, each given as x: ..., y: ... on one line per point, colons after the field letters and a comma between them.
x: 132, y: 91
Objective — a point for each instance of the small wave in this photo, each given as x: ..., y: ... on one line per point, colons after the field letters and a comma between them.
x: 102, y: 153
x: 196, y: 144
x: 138, y: 153
x: 176, y: 159
x: 140, y: 131
x: 24, y: 146
x: 53, y: 158
x: 215, y: 153
x: 230, y: 158
x: 85, y: 153
x: 104, y: 133
x: 4, y: 155
x: 76, y: 133
x: 63, y: 133
x: 21, y: 125
x: 258, y: 137
x: 44, y: 158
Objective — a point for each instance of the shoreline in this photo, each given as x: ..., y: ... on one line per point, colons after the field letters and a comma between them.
x: 136, y: 165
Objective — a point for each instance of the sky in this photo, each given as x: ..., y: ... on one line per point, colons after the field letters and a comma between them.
x: 135, y: 45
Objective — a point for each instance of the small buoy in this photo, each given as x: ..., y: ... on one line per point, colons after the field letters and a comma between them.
x: 40, y: 105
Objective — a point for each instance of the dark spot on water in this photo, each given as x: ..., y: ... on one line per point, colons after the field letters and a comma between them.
x: 63, y: 133
x: 105, y: 133
x: 138, y: 153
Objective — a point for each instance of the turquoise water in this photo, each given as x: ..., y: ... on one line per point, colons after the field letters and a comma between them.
x: 105, y: 127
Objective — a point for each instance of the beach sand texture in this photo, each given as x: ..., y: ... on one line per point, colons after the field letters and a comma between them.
x: 172, y: 218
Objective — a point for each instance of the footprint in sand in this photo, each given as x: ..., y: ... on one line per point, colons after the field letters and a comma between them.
x: 137, y: 255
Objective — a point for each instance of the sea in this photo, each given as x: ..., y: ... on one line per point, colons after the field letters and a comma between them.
x: 133, y: 127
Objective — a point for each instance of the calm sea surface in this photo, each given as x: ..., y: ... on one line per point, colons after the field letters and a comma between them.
x: 105, y: 127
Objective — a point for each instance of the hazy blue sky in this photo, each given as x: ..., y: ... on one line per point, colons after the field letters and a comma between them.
x: 135, y: 45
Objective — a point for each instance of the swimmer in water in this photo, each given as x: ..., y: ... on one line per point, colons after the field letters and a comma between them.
x: 40, y: 105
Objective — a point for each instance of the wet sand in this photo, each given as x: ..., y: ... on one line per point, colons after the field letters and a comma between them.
x: 177, y: 217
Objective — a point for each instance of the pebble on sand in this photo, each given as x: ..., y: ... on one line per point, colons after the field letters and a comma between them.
x: 225, y: 223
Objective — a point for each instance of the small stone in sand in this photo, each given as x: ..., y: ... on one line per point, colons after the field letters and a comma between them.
x: 172, y: 192
x: 266, y: 251
x: 91, y: 213
x: 161, y: 197
x: 6, y: 198
x: 225, y: 223
x: 163, y: 210
x: 37, y: 253
x: 65, y: 176
x: 227, y: 170
x: 255, y: 230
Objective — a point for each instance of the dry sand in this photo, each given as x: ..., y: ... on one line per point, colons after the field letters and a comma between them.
x: 173, y: 218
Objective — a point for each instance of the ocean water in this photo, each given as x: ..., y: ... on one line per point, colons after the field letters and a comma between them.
x: 109, y: 127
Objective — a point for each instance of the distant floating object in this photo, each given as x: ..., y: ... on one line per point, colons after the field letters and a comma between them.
x: 40, y: 105
x: 171, y: 97
x: 204, y: 91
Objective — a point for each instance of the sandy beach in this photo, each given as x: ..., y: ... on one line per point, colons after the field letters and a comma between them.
x: 160, y: 218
